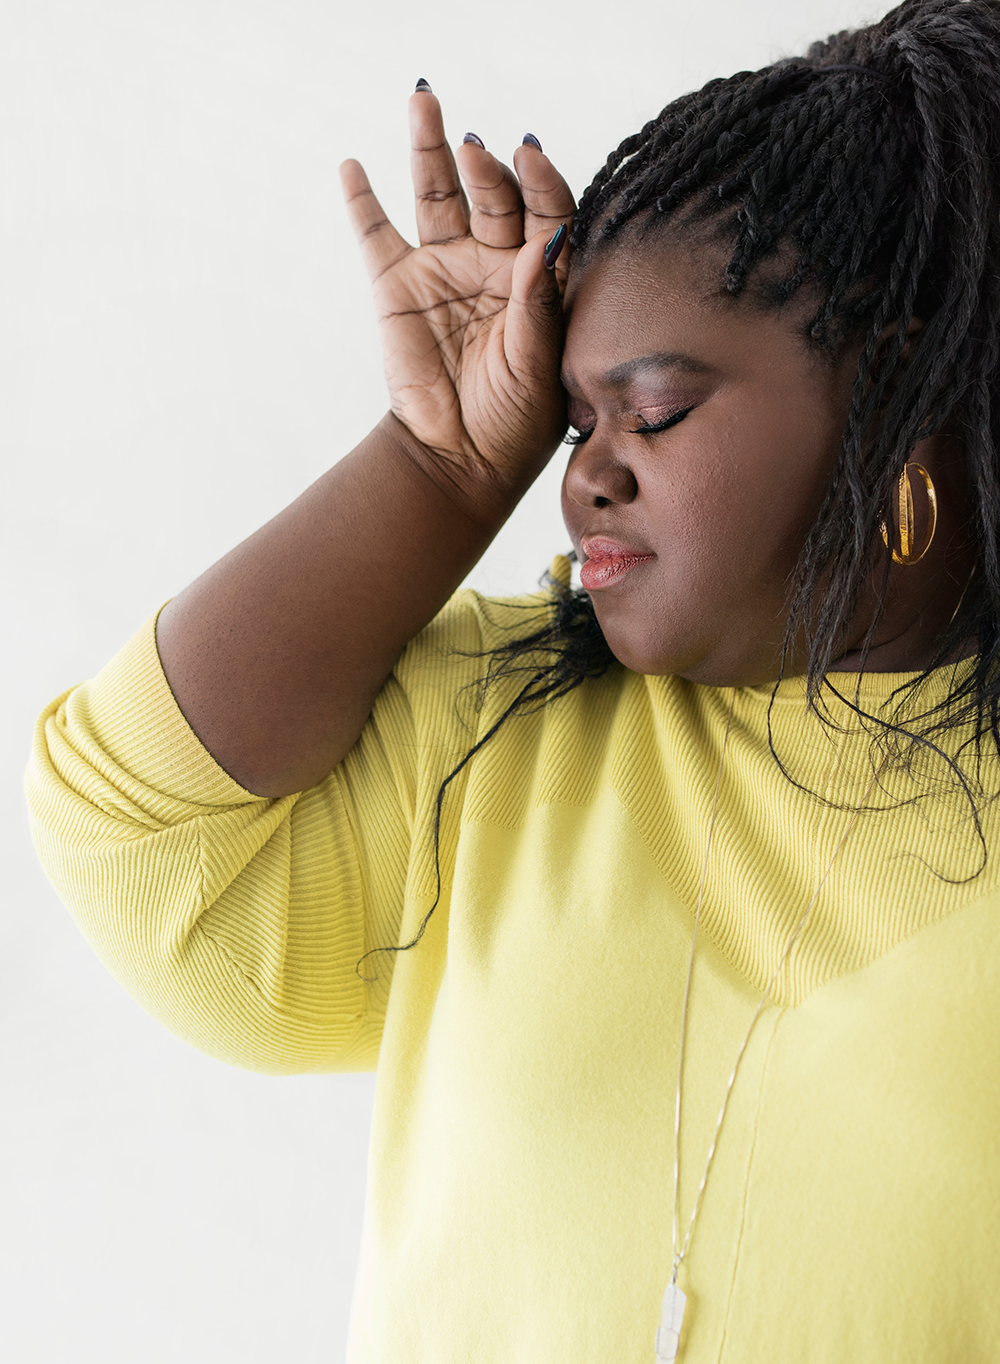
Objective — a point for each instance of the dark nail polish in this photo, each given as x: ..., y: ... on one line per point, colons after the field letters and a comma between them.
x: 472, y: 137
x: 530, y: 140
x: 423, y: 85
x: 555, y: 246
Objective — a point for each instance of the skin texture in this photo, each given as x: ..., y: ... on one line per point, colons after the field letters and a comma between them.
x: 721, y: 501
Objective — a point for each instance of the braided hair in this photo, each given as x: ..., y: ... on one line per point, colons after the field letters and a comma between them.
x: 863, y: 173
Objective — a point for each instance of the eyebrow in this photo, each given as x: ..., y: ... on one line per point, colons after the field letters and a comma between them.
x: 628, y: 369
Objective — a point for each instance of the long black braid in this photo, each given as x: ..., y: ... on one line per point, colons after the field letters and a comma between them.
x: 865, y: 172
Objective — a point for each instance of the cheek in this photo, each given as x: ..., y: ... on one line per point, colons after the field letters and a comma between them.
x: 741, y: 498
x: 564, y: 500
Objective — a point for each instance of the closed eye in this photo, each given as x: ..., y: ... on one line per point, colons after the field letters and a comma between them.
x: 649, y: 429
x: 574, y: 437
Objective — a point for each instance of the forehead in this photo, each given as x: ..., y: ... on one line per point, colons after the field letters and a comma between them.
x: 633, y: 274
x: 665, y: 294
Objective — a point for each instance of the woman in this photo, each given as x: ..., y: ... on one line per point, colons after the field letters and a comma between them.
x: 675, y: 942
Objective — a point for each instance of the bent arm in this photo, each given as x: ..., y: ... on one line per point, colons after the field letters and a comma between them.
x: 276, y: 654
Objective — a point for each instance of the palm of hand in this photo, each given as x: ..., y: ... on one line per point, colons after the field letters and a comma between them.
x: 439, y: 310
x: 470, y: 340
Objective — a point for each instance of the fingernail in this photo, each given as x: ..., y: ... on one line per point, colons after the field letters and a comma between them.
x: 423, y: 85
x: 555, y: 246
x: 472, y: 137
x: 530, y: 140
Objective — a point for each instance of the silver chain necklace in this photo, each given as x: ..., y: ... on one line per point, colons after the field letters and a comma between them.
x: 668, y: 1336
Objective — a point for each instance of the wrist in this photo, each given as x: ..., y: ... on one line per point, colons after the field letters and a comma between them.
x: 474, y: 486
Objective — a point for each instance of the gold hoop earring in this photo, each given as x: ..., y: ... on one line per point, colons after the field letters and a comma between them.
x: 904, y: 497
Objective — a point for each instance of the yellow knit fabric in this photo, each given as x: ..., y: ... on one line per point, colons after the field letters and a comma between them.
x: 520, y: 1193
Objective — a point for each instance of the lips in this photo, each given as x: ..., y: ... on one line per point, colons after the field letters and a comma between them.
x: 608, y: 561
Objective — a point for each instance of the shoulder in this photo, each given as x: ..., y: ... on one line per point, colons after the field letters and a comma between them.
x: 455, y: 648
x: 472, y: 621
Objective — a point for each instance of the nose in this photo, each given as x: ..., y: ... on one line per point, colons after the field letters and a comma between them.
x: 596, y: 477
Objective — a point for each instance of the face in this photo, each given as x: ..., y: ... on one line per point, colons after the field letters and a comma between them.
x: 710, y: 434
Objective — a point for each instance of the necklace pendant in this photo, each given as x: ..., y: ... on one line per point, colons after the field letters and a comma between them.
x: 668, y: 1337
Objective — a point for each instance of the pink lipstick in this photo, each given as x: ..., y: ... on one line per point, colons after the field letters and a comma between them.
x: 607, y: 562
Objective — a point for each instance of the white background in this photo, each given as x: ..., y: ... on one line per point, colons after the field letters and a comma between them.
x: 186, y: 343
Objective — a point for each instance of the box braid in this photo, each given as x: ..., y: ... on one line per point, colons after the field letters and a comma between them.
x: 865, y: 172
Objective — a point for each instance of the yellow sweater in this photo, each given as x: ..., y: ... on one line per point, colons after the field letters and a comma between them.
x: 520, y: 1198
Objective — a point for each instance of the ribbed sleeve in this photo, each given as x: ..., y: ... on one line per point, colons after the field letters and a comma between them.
x: 239, y: 921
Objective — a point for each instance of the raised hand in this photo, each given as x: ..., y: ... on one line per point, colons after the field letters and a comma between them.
x: 471, y: 319
x: 276, y: 653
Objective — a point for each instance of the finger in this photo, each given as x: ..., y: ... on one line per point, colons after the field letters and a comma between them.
x: 548, y: 200
x: 533, y: 323
x: 442, y: 212
x: 496, y: 214
x: 381, y: 245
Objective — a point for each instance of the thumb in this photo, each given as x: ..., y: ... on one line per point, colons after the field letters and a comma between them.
x: 533, y: 326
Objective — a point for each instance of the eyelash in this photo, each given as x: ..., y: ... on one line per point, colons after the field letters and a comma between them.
x: 645, y: 430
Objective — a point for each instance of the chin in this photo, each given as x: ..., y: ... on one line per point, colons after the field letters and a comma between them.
x: 652, y: 657
x: 704, y: 663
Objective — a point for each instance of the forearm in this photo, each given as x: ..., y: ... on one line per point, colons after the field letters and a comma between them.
x: 276, y: 653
